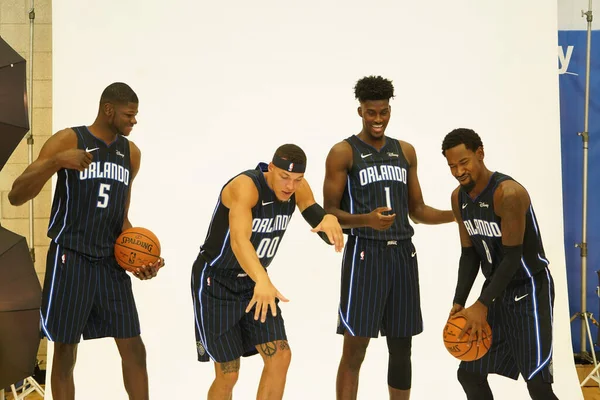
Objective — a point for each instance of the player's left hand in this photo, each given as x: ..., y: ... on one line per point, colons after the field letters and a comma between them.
x: 476, y: 317
x: 149, y: 271
x: 331, y: 227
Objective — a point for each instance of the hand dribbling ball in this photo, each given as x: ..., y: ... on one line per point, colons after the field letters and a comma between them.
x: 136, y: 247
x: 462, y: 349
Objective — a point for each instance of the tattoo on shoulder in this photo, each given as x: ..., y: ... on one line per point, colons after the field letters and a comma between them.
x: 230, y: 366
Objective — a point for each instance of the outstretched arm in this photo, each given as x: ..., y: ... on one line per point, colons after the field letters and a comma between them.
x: 326, y: 225
x: 240, y: 196
x: 418, y: 211
x: 339, y: 162
x: 60, y: 151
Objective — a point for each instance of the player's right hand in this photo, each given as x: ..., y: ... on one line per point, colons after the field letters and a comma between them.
x: 456, y: 308
x: 263, y: 298
x: 74, y: 159
x: 380, y: 221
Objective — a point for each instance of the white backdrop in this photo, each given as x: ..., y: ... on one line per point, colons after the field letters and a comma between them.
x: 222, y: 84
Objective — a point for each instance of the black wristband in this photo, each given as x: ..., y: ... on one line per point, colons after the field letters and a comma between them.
x: 314, y: 215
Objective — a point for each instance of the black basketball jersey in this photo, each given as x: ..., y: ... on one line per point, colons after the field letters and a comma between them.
x: 270, y: 218
x: 89, y: 206
x: 483, y: 226
x: 378, y: 179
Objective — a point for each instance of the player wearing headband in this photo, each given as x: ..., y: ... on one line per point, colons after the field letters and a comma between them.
x: 235, y: 302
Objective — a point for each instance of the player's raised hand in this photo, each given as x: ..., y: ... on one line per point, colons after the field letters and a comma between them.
x: 380, y: 221
x: 331, y: 227
x: 263, y: 298
x: 74, y: 159
x: 476, y: 317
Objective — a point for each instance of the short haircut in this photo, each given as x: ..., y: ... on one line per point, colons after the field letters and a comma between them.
x: 459, y: 136
x: 373, y: 88
x: 118, y: 93
x: 292, y: 153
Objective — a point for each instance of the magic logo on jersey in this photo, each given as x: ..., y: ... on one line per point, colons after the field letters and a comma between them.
x: 380, y: 173
x: 105, y: 170
x: 482, y: 228
x: 269, y: 225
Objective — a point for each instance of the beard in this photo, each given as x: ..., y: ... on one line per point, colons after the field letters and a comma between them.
x: 469, y: 186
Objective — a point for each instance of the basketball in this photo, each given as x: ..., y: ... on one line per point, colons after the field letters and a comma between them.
x: 136, y: 247
x: 461, y: 349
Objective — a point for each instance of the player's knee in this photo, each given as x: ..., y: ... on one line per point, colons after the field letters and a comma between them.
x: 132, y: 351
x: 281, y: 359
x: 539, y: 389
x: 64, y: 357
x: 399, y: 366
x: 355, y: 349
x: 227, y: 381
x: 475, y: 385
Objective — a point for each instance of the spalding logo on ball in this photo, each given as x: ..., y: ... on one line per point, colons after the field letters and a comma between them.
x: 136, y: 247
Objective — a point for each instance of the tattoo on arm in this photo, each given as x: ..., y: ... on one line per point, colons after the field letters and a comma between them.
x: 230, y: 366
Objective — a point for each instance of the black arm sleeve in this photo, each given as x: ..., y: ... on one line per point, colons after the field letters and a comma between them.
x: 468, y: 267
x: 504, y: 273
x: 314, y: 215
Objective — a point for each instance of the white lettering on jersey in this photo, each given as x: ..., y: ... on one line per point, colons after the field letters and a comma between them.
x: 107, y: 170
x: 268, y: 225
x: 482, y: 228
x: 382, y: 173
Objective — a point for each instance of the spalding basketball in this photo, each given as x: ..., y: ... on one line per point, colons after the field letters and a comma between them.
x: 461, y: 349
x: 136, y: 247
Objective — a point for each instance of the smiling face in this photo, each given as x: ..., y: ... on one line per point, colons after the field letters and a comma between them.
x: 466, y: 165
x: 121, y: 118
x: 283, y: 183
x: 375, y: 115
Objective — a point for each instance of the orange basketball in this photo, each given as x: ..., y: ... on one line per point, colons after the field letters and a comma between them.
x: 461, y: 349
x: 136, y: 247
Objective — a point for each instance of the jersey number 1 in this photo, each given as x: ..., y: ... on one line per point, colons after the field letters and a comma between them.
x: 388, y: 200
x: 103, y: 195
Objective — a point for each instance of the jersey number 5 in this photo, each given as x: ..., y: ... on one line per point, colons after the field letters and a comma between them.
x: 103, y: 195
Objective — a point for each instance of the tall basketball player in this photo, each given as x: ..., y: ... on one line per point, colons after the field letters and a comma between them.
x: 85, y: 291
x: 371, y: 185
x: 235, y: 302
x: 499, y: 232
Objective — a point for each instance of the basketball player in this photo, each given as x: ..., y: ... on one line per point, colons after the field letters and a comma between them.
x: 85, y: 291
x: 371, y: 185
x: 500, y: 233
x: 235, y: 302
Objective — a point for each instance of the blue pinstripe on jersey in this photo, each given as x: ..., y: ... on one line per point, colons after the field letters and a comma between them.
x: 89, y: 207
x: 522, y: 316
x: 374, y: 175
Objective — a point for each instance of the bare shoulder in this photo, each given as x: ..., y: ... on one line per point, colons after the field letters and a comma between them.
x: 62, y: 140
x: 409, y: 152
x: 510, y: 197
x: 135, y: 152
x: 241, y: 190
x: 340, y: 156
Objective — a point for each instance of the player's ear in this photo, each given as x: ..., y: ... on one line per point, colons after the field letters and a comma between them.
x: 108, y: 109
x: 359, y: 109
x: 480, y: 153
x: 271, y: 167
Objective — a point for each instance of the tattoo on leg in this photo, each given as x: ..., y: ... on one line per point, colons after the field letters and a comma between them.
x: 283, y: 345
x: 230, y: 366
x: 269, y: 349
